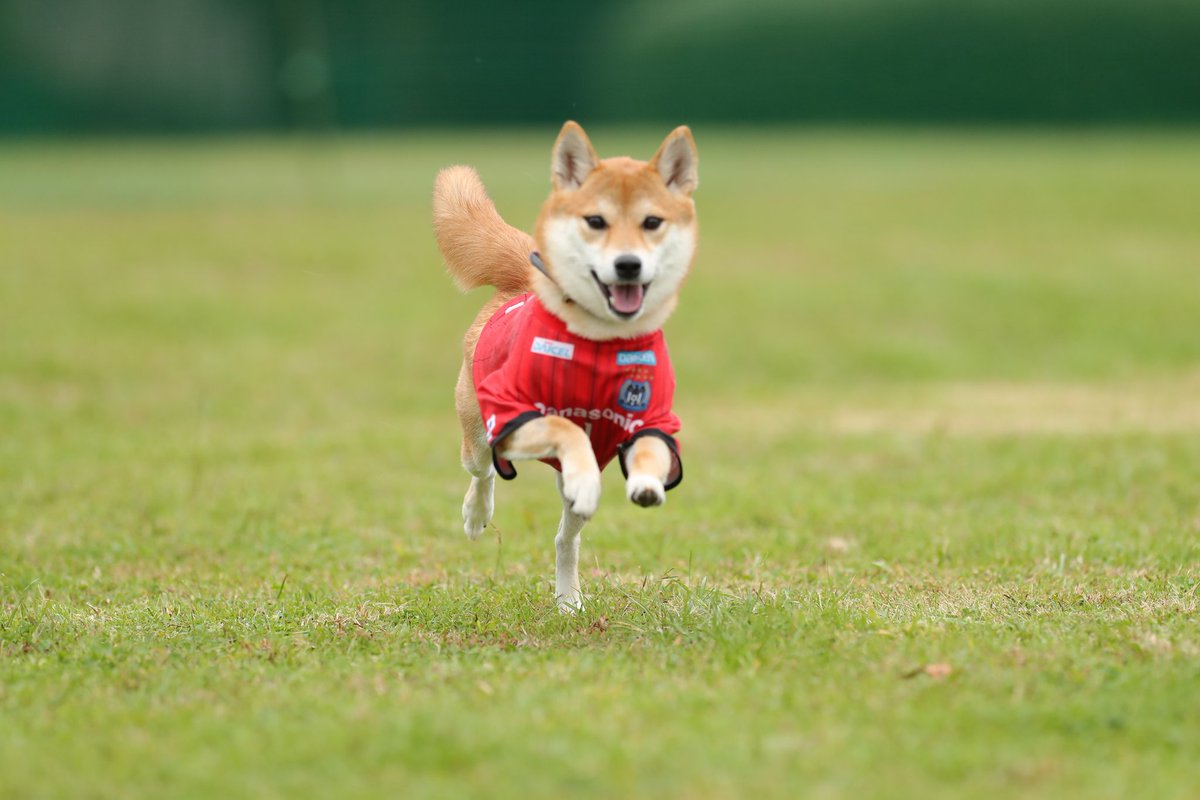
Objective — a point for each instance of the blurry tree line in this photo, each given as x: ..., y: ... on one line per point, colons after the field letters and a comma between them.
x: 204, y: 65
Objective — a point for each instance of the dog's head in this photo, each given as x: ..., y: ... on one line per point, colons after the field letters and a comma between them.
x: 617, y: 236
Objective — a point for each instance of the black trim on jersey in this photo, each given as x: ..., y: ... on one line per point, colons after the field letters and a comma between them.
x: 507, y: 430
x: 672, y: 445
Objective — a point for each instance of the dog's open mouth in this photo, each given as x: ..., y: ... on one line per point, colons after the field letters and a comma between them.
x: 625, y: 299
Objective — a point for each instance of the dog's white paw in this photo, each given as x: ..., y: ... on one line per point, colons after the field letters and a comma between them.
x: 582, y: 490
x: 571, y: 603
x: 474, y: 523
x: 645, y: 490
x: 477, y: 509
x: 473, y: 527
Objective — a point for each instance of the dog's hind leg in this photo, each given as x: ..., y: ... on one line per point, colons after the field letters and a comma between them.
x: 478, y: 503
x: 566, y: 556
x: 476, y: 460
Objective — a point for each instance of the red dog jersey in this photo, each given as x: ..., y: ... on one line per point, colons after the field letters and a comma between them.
x: 527, y: 364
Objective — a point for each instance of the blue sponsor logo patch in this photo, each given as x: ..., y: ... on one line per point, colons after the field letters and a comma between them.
x: 627, y: 358
x: 634, y: 395
x: 549, y: 347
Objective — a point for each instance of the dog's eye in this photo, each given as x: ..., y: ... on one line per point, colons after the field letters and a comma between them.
x: 596, y: 222
x: 652, y: 223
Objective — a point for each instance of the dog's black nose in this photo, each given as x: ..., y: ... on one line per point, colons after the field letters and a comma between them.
x: 628, y: 267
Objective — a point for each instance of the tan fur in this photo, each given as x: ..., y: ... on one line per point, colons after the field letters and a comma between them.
x: 557, y: 437
x: 481, y: 249
x: 651, y: 456
x: 624, y: 191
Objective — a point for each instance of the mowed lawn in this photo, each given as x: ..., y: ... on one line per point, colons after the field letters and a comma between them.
x: 939, y: 533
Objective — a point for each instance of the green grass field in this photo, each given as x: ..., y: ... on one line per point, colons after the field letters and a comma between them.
x: 939, y: 534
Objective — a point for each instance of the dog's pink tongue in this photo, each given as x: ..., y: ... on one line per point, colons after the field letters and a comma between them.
x: 627, y: 297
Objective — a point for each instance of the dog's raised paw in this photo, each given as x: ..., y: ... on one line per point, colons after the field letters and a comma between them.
x: 645, y: 490
x: 582, y: 491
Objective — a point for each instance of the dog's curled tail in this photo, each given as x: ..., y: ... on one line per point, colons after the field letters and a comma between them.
x: 479, y: 247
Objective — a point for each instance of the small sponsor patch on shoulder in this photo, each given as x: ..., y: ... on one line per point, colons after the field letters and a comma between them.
x: 627, y: 358
x: 552, y: 348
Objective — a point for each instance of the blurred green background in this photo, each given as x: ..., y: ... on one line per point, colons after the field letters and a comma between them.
x: 938, y: 369
x: 203, y: 65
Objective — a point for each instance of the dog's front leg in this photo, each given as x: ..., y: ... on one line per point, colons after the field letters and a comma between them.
x: 566, y: 556
x: 579, y: 485
x: 555, y: 437
x: 648, y: 463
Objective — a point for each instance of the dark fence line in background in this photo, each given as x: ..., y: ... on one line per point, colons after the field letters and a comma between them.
x: 202, y: 65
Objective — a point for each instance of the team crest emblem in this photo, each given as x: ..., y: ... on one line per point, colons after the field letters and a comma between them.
x: 634, y: 395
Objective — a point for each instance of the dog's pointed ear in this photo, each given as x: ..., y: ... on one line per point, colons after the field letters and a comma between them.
x: 676, y: 161
x: 573, y: 158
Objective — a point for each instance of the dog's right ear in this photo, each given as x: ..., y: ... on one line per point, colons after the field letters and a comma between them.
x: 573, y: 158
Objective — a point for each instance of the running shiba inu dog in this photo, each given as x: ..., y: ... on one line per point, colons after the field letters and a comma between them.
x: 567, y: 362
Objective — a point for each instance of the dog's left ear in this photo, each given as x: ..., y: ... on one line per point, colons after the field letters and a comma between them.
x: 676, y: 161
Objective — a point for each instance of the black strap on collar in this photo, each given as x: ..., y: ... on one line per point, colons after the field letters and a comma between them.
x: 535, y: 258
